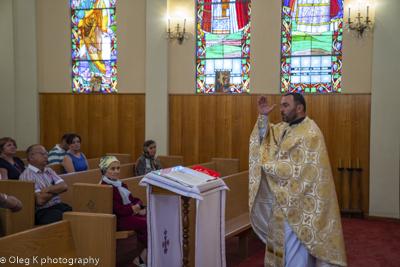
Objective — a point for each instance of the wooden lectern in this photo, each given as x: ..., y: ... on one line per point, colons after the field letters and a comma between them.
x: 207, y: 204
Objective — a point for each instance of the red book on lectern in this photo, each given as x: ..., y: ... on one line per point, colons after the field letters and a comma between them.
x: 206, y: 171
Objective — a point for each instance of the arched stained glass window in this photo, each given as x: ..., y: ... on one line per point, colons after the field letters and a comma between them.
x: 311, y: 55
x: 94, y: 46
x: 223, y: 46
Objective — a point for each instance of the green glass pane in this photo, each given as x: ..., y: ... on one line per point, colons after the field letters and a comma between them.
x: 334, y: 59
x: 288, y: 60
x: 313, y: 90
x: 284, y: 40
x: 73, y: 46
x: 203, y: 62
x: 247, y: 42
x: 340, y: 37
x: 112, y: 64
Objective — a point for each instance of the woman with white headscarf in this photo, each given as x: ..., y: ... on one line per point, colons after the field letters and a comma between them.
x: 130, y: 212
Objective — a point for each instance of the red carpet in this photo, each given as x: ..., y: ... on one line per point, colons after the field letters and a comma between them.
x: 368, y: 243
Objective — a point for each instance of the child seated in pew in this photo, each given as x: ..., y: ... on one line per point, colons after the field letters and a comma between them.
x: 131, y: 214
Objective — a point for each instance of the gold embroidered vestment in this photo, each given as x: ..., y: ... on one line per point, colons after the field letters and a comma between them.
x: 296, y: 164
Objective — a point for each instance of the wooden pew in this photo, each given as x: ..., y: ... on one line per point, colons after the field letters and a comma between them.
x: 170, y: 161
x: 92, y: 163
x: 123, y: 159
x: 20, y: 154
x: 5, y: 221
x: 89, y: 177
x: 78, y: 235
x: 95, y: 198
x: 25, y: 218
x: 25, y: 161
x: 94, y: 176
x: 237, y: 219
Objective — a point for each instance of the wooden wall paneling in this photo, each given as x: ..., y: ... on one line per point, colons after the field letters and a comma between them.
x: 49, y: 121
x: 96, y: 137
x: 207, y: 131
x: 242, y: 125
x: 81, y: 121
x: 106, y: 123
x: 362, y: 144
x: 190, y: 128
x: 340, y: 145
x: 139, y: 124
x: 223, y: 127
x: 343, y: 119
x: 175, y: 125
x: 67, y: 115
x: 110, y: 123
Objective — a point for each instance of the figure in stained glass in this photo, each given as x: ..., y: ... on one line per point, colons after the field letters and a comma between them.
x: 94, y: 45
x: 311, y: 46
x: 223, y: 46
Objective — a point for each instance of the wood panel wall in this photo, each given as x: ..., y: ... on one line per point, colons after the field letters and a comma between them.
x: 106, y: 123
x: 206, y: 126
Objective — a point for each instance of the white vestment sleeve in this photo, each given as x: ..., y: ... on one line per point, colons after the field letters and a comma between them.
x: 262, y: 127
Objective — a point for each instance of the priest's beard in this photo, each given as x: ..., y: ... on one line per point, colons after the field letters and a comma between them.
x: 290, y: 116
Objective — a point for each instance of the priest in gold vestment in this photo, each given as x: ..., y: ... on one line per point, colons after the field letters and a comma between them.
x: 292, y: 198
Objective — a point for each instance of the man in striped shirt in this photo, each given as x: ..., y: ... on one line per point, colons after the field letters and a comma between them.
x: 58, y: 152
x: 48, y: 186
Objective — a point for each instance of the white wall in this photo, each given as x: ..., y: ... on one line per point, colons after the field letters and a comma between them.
x: 385, y: 119
x: 156, y: 75
x: 19, y: 102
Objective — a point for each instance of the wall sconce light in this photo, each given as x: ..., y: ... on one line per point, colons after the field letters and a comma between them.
x: 177, y: 34
x: 358, y: 25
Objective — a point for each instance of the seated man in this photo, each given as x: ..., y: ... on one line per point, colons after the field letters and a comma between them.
x: 48, y: 186
x: 58, y: 152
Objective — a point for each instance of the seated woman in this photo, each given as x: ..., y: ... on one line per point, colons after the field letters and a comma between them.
x: 10, y: 167
x: 147, y: 162
x: 74, y: 161
x: 131, y: 214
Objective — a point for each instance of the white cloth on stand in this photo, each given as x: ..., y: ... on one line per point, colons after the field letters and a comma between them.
x: 163, y: 212
x: 164, y: 224
x: 210, y: 230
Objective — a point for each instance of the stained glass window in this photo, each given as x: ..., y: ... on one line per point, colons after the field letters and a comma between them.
x: 311, y: 55
x: 223, y: 46
x: 94, y: 46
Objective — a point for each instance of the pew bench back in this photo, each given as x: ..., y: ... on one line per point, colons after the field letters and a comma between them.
x: 78, y: 235
x: 25, y: 218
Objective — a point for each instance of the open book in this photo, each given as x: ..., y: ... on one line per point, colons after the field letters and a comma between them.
x: 185, y: 176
